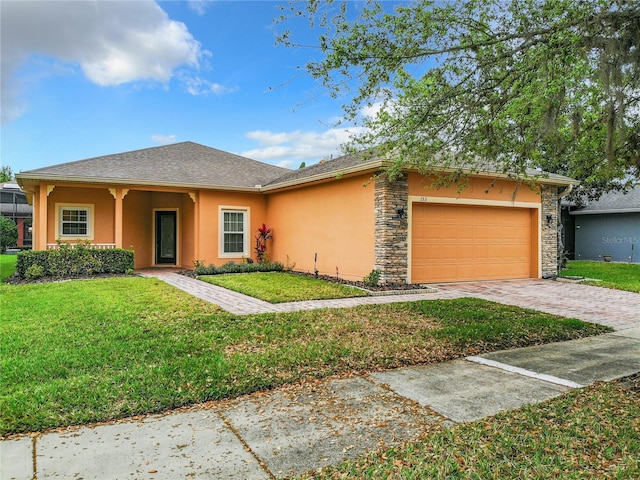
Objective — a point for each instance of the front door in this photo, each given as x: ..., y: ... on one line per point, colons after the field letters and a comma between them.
x: 166, y: 238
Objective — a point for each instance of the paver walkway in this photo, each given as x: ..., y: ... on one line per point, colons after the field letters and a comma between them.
x: 605, y: 306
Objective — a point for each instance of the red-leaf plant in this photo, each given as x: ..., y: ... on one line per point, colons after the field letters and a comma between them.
x: 264, y: 234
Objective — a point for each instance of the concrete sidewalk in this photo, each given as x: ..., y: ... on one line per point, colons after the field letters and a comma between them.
x: 297, y: 428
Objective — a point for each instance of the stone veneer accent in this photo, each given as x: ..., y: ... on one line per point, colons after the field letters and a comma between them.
x: 549, y: 231
x: 391, y: 248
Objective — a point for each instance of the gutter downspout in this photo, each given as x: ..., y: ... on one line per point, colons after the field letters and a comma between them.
x: 568, y: 190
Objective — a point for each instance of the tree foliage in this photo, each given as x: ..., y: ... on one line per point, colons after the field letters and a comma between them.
x: 521, y: 84
x: 8, y: 233
x: 6, y: 174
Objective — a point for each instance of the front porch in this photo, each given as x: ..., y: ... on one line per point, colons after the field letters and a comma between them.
x: 159, y: 225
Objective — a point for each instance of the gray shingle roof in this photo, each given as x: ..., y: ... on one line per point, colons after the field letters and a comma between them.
x: 329, y: 167
x: 187, y: 163
x: 613, y: 202
x: 355, y: 162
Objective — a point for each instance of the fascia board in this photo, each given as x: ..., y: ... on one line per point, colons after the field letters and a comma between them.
x: 132, y: 182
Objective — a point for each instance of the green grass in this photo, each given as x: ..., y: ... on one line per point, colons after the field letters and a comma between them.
x: 92, y: 350
x: 278, y: 287
x: 621, y: 276
x: 7, y: 265
x: 591, y: 433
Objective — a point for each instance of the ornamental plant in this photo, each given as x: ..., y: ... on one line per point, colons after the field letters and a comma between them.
x: 264, y: 234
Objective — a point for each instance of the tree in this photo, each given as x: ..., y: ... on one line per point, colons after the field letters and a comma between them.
x: 8, y: 233
x: 518, y: 84
x: 6, y: 175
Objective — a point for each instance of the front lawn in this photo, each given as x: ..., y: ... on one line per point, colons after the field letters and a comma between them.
x: 93, y: 350
x: 591, y: 433
x: 278, y: 287
x: 621, y: 276
x: 7, y: 266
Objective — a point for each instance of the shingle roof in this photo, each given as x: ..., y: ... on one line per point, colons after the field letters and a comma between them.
x: 613, y: 202
x: 358, y: 162
x: 187, y: 164
x: 324, y: 168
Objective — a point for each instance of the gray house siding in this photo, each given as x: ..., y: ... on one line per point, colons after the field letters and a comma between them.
x: 615, y: 234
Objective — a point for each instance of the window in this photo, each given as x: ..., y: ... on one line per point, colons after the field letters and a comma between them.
x: 234, y: 233
x: 74, y: 221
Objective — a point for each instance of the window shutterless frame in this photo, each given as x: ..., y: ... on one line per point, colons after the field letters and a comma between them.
x: 74, y: 221
x: 234, y: 232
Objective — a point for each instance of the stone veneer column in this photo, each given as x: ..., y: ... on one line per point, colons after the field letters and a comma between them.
x: 391, y: 231
x: 549, y: 230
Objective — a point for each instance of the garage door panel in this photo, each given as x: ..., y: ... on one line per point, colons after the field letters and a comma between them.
x: 458, y: 243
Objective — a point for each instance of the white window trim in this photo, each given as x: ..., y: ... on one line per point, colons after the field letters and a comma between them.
x: 247, y: 222
x: 75, y: 206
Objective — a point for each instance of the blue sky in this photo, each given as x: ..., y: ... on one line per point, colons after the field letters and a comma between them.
x: 88, y: 78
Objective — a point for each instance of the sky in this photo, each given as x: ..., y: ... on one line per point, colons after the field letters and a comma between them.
x: 85, y: 78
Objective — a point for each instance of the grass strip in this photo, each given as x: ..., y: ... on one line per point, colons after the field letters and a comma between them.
x: 93, y: 350
x: 590, y: 433
x: 279, y: 287
x: 619, y: 276
x: 7, y: 265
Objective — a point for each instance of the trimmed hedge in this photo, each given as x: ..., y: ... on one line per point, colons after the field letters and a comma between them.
x: 80, y: 261
x: 232, y: 267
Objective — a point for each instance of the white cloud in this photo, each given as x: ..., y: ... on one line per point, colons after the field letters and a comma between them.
x: 113, y: 42
x: 163, y: 139
x: 196, y: 85
x: 199, y: 6
x: 289, y: 148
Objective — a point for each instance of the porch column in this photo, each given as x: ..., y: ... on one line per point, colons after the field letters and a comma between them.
x: 118, y: 194
x: 42, y: 195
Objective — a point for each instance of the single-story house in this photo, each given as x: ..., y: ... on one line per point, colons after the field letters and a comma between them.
x: 608, y: 227
x: 186, y: 202
x: 14, y: 205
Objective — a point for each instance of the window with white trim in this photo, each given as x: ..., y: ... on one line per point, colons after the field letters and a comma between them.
x: 234, y: 241
x: 74, y: 222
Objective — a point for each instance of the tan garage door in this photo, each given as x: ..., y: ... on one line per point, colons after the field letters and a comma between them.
x: 458, y: 243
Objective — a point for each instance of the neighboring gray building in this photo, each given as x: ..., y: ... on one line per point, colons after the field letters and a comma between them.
x: 608, y: 226
x: 14, y: 205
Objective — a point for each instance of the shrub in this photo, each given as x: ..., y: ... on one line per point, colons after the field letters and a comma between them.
x: 8, y: 233
x: 372, y: 279
x: 73, y: 262
x: 231, y: 267
x: 34, y: 272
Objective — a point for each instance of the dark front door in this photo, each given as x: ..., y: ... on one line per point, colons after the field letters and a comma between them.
x: 166, y: 238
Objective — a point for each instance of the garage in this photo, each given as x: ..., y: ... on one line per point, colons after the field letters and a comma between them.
x: 451, y: 243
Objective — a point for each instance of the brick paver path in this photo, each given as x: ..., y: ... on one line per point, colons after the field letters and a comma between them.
x: 614, y: 308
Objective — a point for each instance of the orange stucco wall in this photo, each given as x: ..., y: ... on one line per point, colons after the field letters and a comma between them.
x: 103, y: 204
x: 209, y: 205
x: 478, y: 188
x: 335, y: 220
x: 198, y: 223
